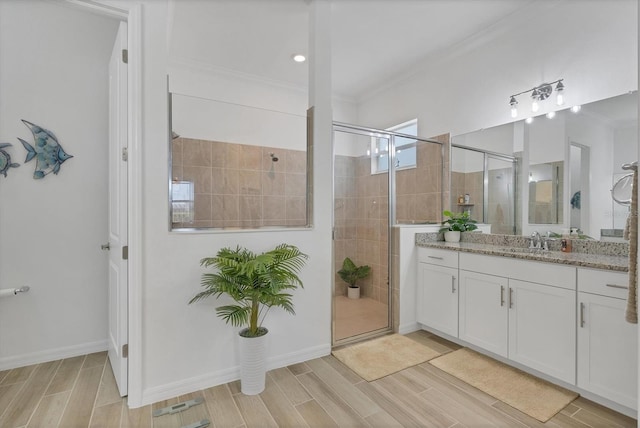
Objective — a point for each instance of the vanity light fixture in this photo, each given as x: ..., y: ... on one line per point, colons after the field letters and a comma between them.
x: 299, y: 58
x: 539, y: 93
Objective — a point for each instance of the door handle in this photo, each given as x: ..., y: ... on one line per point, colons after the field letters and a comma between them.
x: 510, y: 297
x: 581, y: 314
x: 106, y: 246
x: 453, y: 284
x: 502, y: 295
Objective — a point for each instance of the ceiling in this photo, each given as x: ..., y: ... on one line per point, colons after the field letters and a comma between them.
x: 374, y: 42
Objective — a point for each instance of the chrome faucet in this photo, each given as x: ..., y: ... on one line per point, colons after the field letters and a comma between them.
x: 535, y: 240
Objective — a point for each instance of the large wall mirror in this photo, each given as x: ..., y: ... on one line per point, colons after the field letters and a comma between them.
x: 236, y: 167
x: 567, y: 165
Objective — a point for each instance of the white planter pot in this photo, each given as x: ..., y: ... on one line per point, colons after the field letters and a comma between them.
x: 452, y: 236
x: 253, y: 364
x: 353, y: 292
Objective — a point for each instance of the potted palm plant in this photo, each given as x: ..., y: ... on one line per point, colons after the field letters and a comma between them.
x: 456, y: 223
x: 350, y: 273
x: 257, y: 282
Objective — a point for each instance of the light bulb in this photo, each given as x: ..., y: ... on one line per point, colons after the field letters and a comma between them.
x: 576, y: 109
x: 299, y: 58
x: 534, y: 106
x: 529, y: 120
x: 514, y: 109
x: 551, y: 114
x: 560, y: 93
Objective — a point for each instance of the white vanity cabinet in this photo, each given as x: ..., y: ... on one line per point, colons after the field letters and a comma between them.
x: 520, y: 310
x: 607, y: 344
x: 437, y: 290
x: 483, y: 311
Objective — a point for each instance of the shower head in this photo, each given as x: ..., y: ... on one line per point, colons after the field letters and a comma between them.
x: 274, y: 158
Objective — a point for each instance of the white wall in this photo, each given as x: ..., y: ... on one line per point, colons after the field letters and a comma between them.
x: 53, y: 72
x: 187, y: 347
x: 468, y: 88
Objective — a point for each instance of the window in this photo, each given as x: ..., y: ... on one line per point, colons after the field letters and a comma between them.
x: 182, y: 202
x: 405, y: 148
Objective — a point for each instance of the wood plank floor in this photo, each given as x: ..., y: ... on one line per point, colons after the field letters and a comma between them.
x: 81, y: 392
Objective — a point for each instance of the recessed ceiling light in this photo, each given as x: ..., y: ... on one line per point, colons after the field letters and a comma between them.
x: 575, y: 109
x: 299, y: 58
x: 551, y: 114
x: 529, y: 120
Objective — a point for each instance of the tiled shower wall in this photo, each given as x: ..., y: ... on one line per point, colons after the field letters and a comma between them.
x: 361, y: 211
x: 501, y: 207
x: 239, y: 185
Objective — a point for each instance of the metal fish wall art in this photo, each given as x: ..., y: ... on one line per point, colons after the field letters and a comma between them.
x: 47, y: 151
x: 5, y: 159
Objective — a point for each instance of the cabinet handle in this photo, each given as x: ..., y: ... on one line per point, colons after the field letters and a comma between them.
x: 624, y: 287
x: 453, y: 284
x: 437, y: 258
x: 581, y: 314
x: 502, y: 295
x: 510, y: 297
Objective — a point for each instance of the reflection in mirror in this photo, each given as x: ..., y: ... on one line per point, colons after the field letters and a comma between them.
x: 574, y: 159
x: 483, y: 184
x: 545, y: 193
x: 236, y: 166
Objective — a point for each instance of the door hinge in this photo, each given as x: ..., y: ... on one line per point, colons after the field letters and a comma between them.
x: 125, y: 154
x: 125, y: 350
x: 125, y: 56
x: 125, y: 252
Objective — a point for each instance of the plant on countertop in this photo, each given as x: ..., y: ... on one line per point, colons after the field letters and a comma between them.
x: 458, y: 222
x: 350, y: 273
x: 256, y: 282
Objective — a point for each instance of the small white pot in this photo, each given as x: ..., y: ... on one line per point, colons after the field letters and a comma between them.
x: 452, y: 236
x: 353, y: 292
x: 253, y: 364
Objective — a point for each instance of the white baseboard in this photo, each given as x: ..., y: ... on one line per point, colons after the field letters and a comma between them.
x: 408, y: 328
x: 196, y: 383
x: 47, y: 355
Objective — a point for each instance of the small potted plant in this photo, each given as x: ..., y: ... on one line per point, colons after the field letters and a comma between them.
x: 456, y: 223
x: 256, y: 282
x: 350, y: 273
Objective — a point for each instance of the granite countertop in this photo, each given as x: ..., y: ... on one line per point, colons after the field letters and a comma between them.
x: 595, y: 261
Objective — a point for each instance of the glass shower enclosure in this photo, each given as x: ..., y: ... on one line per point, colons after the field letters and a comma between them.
x: 381, y: 179
x: 483, y: 184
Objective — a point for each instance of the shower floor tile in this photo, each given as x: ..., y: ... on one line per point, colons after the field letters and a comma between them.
x: 357, y: 316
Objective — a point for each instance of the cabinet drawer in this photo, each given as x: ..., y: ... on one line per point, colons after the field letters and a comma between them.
x: 603, y: 282
x: 435, y: 256
x: 532, y: 271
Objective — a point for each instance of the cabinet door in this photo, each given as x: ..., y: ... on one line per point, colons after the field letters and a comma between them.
x: 607, y: 349
x: 541, y: 328
x: 483, y: 311
x: 438, y: 298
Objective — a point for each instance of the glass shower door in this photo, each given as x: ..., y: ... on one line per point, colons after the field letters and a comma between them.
x: 500, y: 195
x: 361, y: 233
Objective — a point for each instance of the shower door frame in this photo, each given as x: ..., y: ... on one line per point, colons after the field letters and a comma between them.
x: 485, y: 179
x: 391, y: 218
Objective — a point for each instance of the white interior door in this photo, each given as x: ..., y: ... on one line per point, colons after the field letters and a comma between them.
x: 118, y: 284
